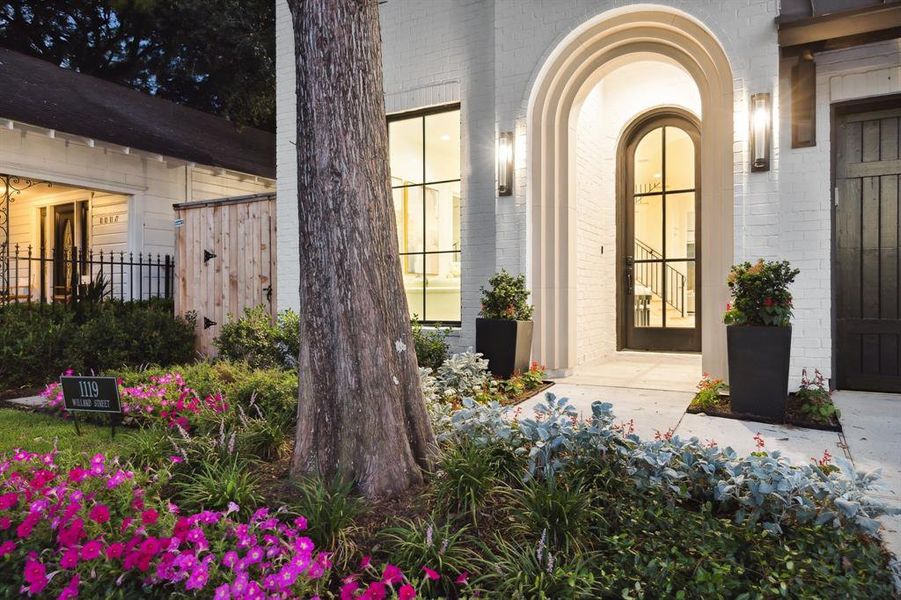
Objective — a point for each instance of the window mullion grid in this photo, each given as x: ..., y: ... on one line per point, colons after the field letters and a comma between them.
x: 664, y: 285
x: 425, y: 313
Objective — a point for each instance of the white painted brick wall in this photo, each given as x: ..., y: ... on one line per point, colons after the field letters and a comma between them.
x: 487, y: 54
x: 288, y: 288
x: 805, y: 195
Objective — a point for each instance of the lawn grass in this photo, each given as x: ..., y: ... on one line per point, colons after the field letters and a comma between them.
x: 36, y: 432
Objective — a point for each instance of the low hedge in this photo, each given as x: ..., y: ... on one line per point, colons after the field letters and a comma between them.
x: 40, y: 341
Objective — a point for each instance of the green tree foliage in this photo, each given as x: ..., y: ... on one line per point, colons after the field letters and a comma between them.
x: 214, y: 55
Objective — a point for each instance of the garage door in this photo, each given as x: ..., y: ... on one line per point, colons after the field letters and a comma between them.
x: 868, y: 269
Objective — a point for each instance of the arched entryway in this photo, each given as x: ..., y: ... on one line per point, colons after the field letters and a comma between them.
x: 659, y: 254
x: 559, y: 87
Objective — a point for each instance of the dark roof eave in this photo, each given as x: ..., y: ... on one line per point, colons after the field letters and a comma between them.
x: 855, y: 26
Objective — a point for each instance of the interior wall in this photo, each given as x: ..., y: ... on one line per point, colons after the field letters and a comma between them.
x: 611, y: 101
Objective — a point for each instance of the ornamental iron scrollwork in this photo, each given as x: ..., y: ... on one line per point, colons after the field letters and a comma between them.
x: 12, y: 186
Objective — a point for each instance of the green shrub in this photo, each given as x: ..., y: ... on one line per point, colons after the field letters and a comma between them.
x: 445, y: 548
x: 262, y: 438
x: 816, y: 398
x: 261, y: 393
x: 330, y: 508
x: 216, y: 482
x: 147, y: 447
x: 507, y: 298
x: 259, y: 341
x: 760, y: 294
x: 467, y: 478
x: 431, y: 345
x: 119, y: 334
x: 709, y: 393
x: 560, y: 510
x: 33, y: 340
x: 532, y: 570
x: 40, y: 341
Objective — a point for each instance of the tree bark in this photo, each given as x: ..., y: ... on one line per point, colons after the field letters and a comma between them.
x: 361, y: 413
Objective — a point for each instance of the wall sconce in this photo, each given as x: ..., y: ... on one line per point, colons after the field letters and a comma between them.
x: 505, y: 163
x: 761, y: 131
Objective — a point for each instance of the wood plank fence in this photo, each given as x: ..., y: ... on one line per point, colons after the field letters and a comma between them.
x: 225, y: 260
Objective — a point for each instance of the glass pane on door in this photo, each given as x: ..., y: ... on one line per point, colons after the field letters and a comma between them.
x: 648, y: 303
x: 663, y: 229
x: 680, y: 298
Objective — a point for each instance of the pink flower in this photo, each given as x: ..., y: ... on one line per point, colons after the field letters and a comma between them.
x: 230, y: 559
x: 69, y: 559
x: 7, y: 547
x: 375, y: 591
x: 432, y: 574
x: 175, y: 459
x: 71, y: 589
x: 9, y: 500
x: 462, y: 578
x: 365, y: 562
x: 300, y: 523
x: 392, y: 575
x: 91, y: 550
x: 149, y: 516
x: 406, y: 592
x: 5, y: 523
x: 348, y: 590
x: 35, y: 576
x: 222, y: 593
x: 99, y: 514
x: 115, y: 550
x: 197, y: 579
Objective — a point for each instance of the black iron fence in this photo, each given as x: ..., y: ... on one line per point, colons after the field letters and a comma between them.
x: 63, y: 274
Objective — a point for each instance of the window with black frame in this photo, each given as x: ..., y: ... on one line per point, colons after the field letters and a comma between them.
x: 424, y: 151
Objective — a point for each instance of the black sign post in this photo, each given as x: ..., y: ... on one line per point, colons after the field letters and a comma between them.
x: 92, y: 395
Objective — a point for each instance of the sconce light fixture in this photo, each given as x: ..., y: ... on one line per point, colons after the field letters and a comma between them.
x: 505, y: 163
x: 761, y: 131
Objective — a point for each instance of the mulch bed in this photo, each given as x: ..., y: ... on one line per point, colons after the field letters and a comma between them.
x: 527, y: 394
x: 793, y: 415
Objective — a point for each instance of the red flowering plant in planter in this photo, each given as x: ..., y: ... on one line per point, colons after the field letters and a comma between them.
x: 759, y: 337
x: 760, y: 294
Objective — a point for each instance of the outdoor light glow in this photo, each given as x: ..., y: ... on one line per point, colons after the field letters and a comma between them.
x: 505, y: 164
x: 761, y: 128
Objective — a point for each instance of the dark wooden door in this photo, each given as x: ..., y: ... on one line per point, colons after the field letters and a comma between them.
x: 64, y: 247
x: 660, y: 237
x: 868, y: 269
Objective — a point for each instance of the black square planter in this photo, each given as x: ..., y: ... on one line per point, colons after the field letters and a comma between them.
x: 758, y: 369
x: 506, y: 344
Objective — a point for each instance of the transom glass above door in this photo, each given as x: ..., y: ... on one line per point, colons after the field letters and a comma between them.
x: 661, y: 250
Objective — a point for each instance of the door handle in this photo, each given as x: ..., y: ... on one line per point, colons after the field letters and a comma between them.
x: 628, y: 273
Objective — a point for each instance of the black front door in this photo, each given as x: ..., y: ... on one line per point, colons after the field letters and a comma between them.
x: 660, y: 249
x: 868, y: 250
x: 64, y: 247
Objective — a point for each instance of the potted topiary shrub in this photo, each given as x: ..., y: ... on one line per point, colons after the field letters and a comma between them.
x: 504, y: 329
x: 758, y: 337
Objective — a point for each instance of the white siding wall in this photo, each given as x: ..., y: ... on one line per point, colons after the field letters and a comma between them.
x: 146, y: 184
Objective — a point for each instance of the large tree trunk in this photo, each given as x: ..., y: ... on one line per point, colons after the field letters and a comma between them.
x: 361, y: 413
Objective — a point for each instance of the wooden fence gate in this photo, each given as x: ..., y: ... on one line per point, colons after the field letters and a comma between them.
x: 225, y: 260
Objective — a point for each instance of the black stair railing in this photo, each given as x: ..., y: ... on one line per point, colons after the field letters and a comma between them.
x: 648, y: 274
